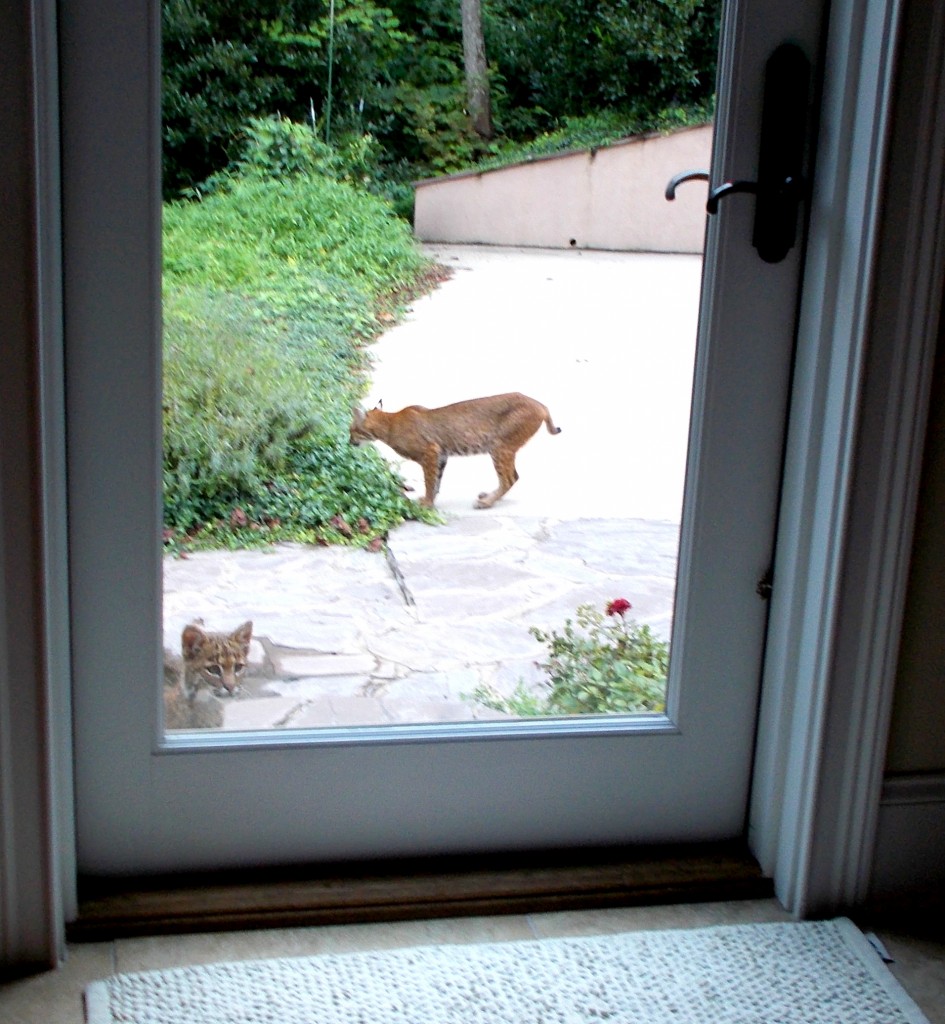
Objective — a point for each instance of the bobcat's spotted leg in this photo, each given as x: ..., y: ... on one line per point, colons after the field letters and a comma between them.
x: 504, y: 461
x: 433, y: 463
x: 440, y: 466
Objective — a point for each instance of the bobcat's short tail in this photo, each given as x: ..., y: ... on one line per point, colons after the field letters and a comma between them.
x: 549, y: 423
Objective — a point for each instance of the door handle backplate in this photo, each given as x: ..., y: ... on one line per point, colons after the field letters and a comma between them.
x: 781, y: 186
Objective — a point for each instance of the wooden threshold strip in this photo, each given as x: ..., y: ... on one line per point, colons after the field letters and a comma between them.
x: 405, y: 890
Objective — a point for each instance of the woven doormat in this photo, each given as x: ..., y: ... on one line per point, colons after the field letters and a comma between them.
x: 823, y: 972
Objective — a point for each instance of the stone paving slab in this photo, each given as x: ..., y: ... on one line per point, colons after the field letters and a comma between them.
x: 305, y: 596
x: 297, y: 665
x: 264, y: 713
x: 538, y: 571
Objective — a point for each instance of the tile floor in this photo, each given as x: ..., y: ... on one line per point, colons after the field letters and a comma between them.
x: 56, y: 997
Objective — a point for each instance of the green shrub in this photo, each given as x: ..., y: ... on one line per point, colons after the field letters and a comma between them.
x: 274, y: 148
x: 271, y: 291
x: 277, y: 148
x: 256, y: 433
x: 270, y: 236
x: 334, y: 491
x: 604, y: 663
x: 233, y: 405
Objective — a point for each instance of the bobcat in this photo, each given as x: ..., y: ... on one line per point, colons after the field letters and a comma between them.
x: 214, y: 658
x: 499, y: 425
x: 217, y: 659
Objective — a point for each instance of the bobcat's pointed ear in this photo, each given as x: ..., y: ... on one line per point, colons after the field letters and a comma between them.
x: 192, y: 639
x: 380, y: 404
x: 243, y: 634
x: 357, y: 416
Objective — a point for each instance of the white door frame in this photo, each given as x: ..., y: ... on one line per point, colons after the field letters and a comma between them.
x: 867, y: 335
x: 823, y: 727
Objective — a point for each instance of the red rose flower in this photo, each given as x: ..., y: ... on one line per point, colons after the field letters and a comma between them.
x: 618, y: 606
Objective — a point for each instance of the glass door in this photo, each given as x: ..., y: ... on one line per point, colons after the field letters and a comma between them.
x: 150, y: 800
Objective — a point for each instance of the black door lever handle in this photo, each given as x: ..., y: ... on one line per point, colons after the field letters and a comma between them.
x: 730, y: 187
x: 677, y: 179
x: 781, y: 186
x: 791, y: 190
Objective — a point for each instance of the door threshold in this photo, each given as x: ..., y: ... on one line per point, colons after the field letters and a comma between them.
x: 436, y: 887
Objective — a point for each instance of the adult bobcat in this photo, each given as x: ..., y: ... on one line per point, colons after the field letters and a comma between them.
x: 499, y: 425
x: 210, y: 667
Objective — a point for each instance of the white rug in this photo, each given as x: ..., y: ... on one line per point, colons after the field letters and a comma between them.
x: 810, y: 973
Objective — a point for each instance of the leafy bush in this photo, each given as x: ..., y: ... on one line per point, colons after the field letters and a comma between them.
x: 605, y: 663
x: 277, y: 147
x: 270, y: 235
x: 274, y: 148
x: 233, y: 405
x: 271, y: 290
x: 332, y: 491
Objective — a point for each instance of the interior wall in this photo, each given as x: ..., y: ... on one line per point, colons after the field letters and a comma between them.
x: 908, y: 869
x: 917, y: 739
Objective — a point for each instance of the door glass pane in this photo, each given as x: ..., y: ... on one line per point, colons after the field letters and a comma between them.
x: 305, y: 583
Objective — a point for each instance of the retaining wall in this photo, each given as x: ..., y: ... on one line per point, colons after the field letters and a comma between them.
x: 607, y: 198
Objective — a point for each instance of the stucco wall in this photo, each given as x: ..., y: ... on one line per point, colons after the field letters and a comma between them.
x: 610, y: 198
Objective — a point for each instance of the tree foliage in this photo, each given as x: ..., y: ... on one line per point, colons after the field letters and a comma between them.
x: 572, y: 57
x: 225, y: 63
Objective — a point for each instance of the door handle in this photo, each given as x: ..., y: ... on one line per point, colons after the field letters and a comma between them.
x: 781, y: 186
x: 677, y: 179
x: 730, y: 187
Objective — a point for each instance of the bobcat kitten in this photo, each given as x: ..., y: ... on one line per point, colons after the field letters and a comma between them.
x: 213, y: 659
x: 499, y: 425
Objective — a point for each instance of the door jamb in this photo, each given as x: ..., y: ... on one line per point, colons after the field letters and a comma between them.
x: 867, y: 336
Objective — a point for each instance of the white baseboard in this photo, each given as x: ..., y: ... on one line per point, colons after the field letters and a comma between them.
x: 910, y: 842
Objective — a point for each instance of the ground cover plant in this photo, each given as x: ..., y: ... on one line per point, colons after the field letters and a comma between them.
x: 599, y: 663
x: 273, y: 290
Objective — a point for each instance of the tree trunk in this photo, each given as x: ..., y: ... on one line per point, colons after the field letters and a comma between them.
x: 477, y: 72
